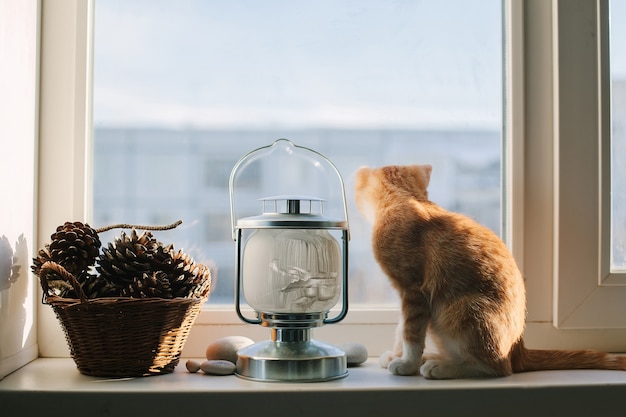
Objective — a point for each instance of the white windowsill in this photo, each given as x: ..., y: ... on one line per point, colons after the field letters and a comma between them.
x: 54, y: 387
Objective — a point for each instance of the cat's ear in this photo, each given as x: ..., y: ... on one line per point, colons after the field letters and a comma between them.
x: 362, y: 174
x: 427, y: 169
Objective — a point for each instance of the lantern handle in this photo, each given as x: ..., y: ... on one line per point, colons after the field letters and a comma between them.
x: 249, y: 157
x: 344, y: 300
x: 238, y: 284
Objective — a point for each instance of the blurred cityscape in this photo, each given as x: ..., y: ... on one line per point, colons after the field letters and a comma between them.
x: 410, y: 68
x: 157, y: 176
x: 618, y: 176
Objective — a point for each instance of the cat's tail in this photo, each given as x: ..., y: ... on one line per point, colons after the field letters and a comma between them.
x: 526, y: 360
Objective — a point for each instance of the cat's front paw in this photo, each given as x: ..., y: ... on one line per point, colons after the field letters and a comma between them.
x: 386, y: 358
x: 429, y: 369
x: 400, y: 366
x: 442, y: 369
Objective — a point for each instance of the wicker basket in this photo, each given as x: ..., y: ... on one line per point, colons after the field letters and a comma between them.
x: 118, y: 336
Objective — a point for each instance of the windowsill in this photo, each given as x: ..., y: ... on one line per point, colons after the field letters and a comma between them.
x: 54, y: 387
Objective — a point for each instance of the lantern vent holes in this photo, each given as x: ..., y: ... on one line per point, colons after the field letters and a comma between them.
x: 291, y: 204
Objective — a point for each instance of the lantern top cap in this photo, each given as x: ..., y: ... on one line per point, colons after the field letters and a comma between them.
x: 292, y: 204
x: 291, y: 197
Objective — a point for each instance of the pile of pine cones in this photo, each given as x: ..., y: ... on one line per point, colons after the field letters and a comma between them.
x: 134, y: 265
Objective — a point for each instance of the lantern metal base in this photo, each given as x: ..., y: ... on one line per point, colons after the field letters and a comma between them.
x: 298, y: 360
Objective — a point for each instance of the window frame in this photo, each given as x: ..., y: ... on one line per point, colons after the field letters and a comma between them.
x: 64, y: 123
x: 533, y: 221
x: 587, y: 292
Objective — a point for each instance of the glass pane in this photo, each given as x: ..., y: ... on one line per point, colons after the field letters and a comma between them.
x: 618, y: 134
x: 182, y: 90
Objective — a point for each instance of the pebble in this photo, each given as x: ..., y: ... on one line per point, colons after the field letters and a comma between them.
x: 356, y: 353
x: 192, y: 366
x: 226, y: 348
x: 218, y: 367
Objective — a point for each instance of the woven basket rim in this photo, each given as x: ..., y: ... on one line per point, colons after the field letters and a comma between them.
x: 48, y: 297
x: 55, y: 299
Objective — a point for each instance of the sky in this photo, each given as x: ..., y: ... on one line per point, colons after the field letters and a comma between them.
x: 618, y: 38
x: 282, y: 63
x: 298, y: 64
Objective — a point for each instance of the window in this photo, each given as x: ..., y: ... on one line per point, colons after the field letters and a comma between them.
x: 363, y: 82
x: 539, y: 82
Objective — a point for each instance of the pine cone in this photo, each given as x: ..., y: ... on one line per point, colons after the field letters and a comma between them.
x: 42, y: 258
x: 154, y: 285
x: 202, y: 282
x: 187, y: 278
x: 127, y: 258
x: 96, y: 287
x: 74, y: 245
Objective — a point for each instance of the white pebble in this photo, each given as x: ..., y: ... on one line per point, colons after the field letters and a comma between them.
x: 356, y: 353
x: 192, y: 366
x: 226, y: 348
x: 218, y: 367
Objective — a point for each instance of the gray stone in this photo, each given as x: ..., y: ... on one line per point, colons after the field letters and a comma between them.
x: 218, y: 367
x: 192, y: 366
x: 226, y: 348
x: 356, y: 353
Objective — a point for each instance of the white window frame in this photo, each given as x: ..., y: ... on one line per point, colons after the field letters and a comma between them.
x: 536, y: 192
x: 587, y: 293
x: 570, y: 305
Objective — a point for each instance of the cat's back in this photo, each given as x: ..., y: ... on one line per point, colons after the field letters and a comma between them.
x: 419, y: 235
x: 407, y: 231
x: 408, y: 227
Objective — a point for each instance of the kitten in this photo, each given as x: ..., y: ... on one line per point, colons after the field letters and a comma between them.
x: 456, y: 279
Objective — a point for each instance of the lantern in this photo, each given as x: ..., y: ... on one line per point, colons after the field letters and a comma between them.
x: 291, y: 262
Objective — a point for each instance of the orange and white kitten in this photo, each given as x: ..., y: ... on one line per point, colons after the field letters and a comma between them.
x: 456, y: 279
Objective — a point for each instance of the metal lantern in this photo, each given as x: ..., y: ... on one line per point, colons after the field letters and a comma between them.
x: 292, y: 261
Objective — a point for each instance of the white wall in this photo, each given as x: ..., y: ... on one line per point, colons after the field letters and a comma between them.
x: 19, y: 42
